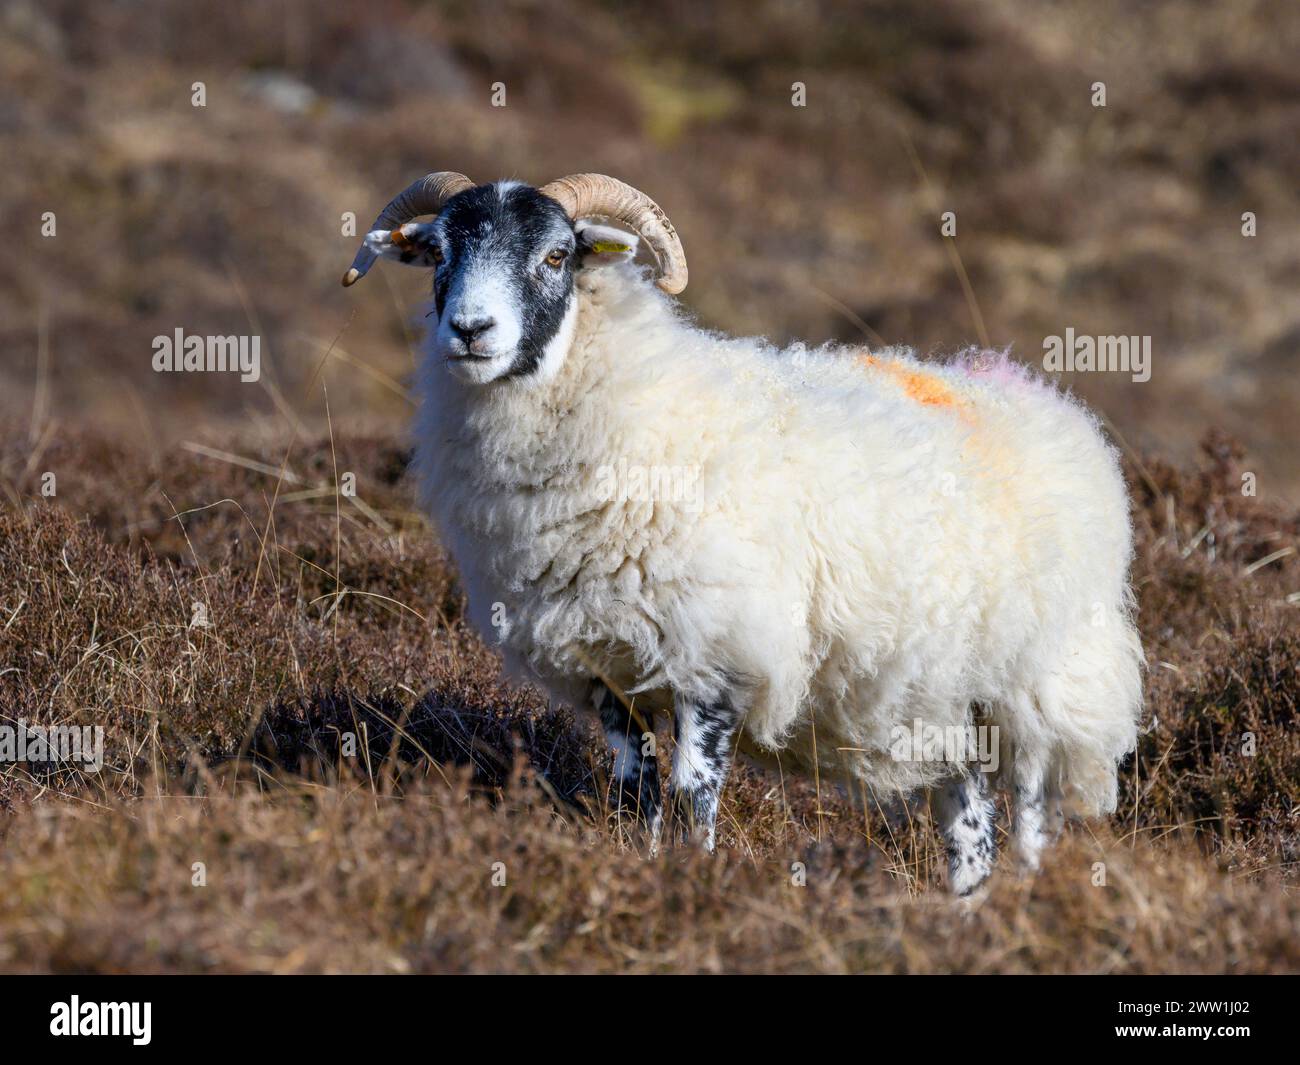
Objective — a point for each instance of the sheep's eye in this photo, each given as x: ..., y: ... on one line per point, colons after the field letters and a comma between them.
x: 437, y: 255
x: 556, y: 258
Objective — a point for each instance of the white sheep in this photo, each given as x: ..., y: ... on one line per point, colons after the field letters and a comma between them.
x: 822, y: 556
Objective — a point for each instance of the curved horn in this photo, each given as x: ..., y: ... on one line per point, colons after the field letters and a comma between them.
x: 425, y: 196
x: 582, y: 195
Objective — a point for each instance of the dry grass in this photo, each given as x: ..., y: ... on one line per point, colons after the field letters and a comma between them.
x: 224, y: 748
x: 311, y: 879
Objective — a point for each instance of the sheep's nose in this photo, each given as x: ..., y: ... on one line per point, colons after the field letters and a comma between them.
x: 469, y: 330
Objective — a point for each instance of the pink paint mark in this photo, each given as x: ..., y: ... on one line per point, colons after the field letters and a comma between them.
x: 997, y: 368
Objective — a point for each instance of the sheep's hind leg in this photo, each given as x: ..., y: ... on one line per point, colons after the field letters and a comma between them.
x: 630, y: 734
x: 965, y: 814
x: 704, y: 742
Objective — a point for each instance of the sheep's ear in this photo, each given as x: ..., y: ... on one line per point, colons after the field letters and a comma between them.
x: 604, y: 245
x: 413, y: 244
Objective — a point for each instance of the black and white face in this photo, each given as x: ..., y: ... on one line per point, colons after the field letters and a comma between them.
x: 504, y: 258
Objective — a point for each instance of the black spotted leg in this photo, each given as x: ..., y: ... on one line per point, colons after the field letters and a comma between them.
x: 704, y: 743
x: 965, y: 814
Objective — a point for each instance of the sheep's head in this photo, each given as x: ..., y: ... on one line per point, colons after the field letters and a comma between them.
x: 504, y: 258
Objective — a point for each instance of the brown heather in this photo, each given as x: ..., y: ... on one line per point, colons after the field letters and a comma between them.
x: 223, y: 748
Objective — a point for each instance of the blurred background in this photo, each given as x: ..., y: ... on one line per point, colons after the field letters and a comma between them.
x: 819, y: 222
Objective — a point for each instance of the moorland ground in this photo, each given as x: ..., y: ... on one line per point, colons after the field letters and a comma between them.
x: 230, y: 637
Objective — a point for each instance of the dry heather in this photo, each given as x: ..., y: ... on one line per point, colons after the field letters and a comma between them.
x: 327, y: 615
x: 799, y: 222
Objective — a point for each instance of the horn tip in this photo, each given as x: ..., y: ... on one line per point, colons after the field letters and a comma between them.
x: 672, y: 285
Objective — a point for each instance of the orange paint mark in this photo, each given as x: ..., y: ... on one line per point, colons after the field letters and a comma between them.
x: 918, y: 385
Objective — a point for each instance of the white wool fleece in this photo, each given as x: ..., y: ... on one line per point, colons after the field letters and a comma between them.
x: 868, y: 540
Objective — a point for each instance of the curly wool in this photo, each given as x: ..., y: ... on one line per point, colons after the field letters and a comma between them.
x: 867, y: 540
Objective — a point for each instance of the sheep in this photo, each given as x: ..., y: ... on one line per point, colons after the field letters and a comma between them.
x: 863, y: 550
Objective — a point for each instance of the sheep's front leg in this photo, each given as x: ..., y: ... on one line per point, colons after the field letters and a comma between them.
x: 965, y: 814
x: 630, y: 734
x: 704, y: 743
